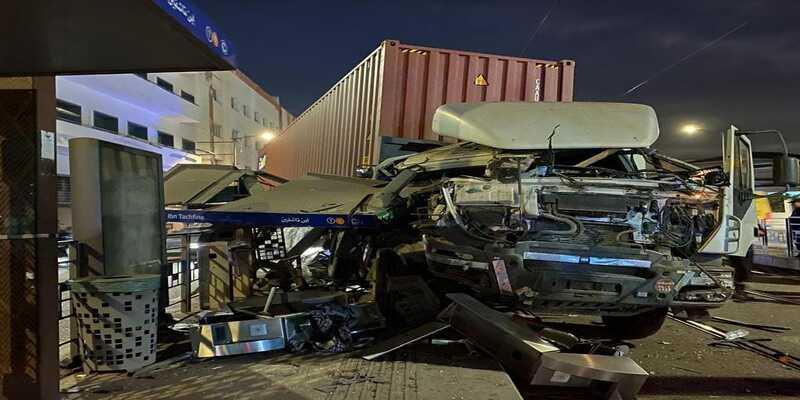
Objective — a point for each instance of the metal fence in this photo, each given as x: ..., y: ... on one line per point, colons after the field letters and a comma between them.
x: 67, y: 258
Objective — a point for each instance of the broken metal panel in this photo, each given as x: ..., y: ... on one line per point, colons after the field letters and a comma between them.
x: 532, y: 359
x: 404, y: 339
x: 185, y: 184
x: 614, y: 377
x: 309, y: 194
x: 314, y: 200
x: 214, y: 191
x: 516, y: 347
x: 237, y: 337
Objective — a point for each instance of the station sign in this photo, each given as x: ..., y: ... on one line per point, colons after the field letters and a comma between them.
x: 264, y: 219
x: 193, y: 19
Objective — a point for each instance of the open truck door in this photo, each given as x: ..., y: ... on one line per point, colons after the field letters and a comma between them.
x: 735, y: 233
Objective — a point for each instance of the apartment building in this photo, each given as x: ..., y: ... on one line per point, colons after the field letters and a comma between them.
x: 216, y: 117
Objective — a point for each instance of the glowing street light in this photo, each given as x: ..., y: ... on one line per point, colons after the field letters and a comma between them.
x: 267, y: 136
x: 691, y: 129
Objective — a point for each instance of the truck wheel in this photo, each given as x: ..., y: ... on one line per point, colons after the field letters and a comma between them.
x: 636, y: 326
x: 386, y: 263
x: 743, y: 266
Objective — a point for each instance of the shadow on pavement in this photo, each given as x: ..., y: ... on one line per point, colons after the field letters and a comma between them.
x: 721, y: 386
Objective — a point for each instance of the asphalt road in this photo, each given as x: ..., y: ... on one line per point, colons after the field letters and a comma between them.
x: 684, y: 366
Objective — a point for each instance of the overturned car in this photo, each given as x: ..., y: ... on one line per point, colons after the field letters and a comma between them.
x: 547, y: 207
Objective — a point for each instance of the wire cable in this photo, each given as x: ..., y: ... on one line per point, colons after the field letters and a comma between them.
x: 538, y: 27
x: 684, y: 59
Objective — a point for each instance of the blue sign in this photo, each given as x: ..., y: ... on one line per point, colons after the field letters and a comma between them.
x: 193, y: 19
x: 264, y: 219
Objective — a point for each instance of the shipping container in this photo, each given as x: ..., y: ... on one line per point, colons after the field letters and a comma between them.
x: 391, y: 96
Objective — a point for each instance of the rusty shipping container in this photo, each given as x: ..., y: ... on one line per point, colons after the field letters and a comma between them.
x: 390, y: 98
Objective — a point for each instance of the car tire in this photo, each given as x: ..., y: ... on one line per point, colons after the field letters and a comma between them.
x: 635, y: 326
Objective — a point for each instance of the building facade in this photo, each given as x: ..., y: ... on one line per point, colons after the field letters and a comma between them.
x: 188, y: 117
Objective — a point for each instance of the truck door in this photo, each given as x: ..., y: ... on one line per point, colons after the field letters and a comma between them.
x: 736, y: 230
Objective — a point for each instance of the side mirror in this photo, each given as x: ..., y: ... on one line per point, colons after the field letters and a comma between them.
x: 786, y: 171
x: 716, y: 178
x: 364, y: 171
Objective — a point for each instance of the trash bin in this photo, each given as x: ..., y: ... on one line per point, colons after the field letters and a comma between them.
x: 117, y: 321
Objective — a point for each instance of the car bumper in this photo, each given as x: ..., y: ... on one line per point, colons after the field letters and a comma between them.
x: 605, y: 283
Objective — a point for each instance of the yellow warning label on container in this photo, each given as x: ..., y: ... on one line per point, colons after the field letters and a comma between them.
x: 480, y: 80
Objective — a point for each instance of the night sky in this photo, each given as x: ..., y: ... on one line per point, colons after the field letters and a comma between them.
x: 298, y: 49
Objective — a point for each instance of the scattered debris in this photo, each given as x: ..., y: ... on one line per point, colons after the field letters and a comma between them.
x: 530, y: 357
x: 404, y: 339
x: 768, y: 296
x: 688, y: 370
x: 763, y: 327
x: 753, y: 345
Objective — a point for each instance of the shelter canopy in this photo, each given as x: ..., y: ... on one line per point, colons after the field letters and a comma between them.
x: 46, y: 37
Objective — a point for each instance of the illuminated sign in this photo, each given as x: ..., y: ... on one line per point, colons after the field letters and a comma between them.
x: 271, y: 219
x: 193, y: 19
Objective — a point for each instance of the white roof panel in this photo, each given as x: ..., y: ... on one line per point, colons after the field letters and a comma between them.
x: 527, y: 126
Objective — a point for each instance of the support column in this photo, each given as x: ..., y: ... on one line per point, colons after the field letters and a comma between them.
x: 28, y: 249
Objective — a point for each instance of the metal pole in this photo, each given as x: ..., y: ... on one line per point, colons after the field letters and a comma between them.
x: 203, y: 277
x: 75, y: 259
x: 186, y: 275
x: 211, y: 117
x: 789, y: 238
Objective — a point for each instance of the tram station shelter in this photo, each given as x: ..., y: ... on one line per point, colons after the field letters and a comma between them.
x: 42, y: 39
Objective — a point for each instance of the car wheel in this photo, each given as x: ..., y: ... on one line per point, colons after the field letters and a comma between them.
x: 635, y: 326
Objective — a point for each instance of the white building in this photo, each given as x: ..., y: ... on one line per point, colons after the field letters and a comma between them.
x: 187, y: 117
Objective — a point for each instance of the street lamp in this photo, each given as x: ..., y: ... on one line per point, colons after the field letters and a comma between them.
x: 264, y: 136
x: 691, y: 129
x: 267, y: 135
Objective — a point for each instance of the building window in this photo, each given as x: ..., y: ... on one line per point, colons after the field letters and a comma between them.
x: 234, y: 103
x: 68, y: 111
x: 246, y: 110
x: 216, y: 130
x: 137, y: 131
x: 187, y: 96
x: 214, y: 94
x: 188, y: 145
x: 264, y: 122
x: 165, y: 139
x: 164, y: 84
x: 106, y: 122
x: 235, y: 133
x: 255, y: 116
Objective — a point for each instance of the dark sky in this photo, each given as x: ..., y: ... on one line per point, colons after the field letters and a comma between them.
x: 299, y: 49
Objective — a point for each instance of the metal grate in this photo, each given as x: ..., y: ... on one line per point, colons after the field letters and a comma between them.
x: 63, y: 191
x: 18, y: 177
